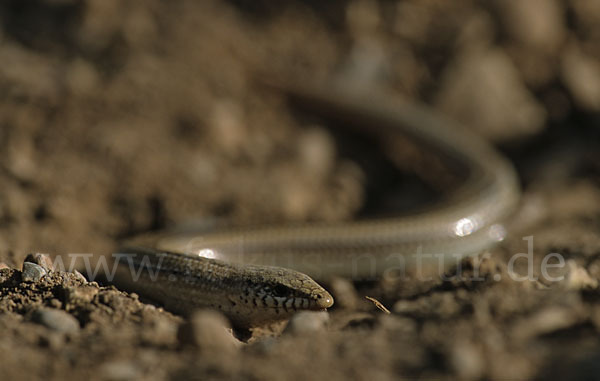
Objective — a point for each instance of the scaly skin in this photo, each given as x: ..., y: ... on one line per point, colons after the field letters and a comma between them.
x: 425, y: 244
x: 247, y: 295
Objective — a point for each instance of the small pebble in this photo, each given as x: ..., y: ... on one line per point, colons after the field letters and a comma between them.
x: 537, y: 24
x: 345, y: 293
x: 467, y: 361
x: 266, y: 345
x: 55, y: 303
x: 56, y: 320
x: 119, y: 371
x: 206, y: 330
x: 32, y: 272
x: 464, y: 96
x: 316, y: 150
x: 227, y: 126
x: 79, y: 276
x: 42, y: 260
x: 307, y: 322
x: 112, y: 299
x: 4, y: 275
x: 578, y: 278
x: 162, y: 332
x: 547, y: 320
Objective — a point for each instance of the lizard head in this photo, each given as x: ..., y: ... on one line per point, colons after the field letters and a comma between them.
x: 269, y: 294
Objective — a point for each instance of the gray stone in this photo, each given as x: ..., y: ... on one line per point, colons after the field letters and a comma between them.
x: 40, y: 259
x: 32, y: 272
x: 56, y: 320
x: 206, y: 330
x: 307, y: 322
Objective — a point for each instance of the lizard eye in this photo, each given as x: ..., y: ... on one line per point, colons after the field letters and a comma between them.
x: 281, y: 290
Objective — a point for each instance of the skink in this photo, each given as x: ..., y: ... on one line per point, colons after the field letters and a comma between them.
x: 259, y: 274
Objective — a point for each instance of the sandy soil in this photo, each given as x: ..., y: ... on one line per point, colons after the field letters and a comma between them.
x: 118, y: 118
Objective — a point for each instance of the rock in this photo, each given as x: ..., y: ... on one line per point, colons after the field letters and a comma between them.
x: 5, y: 274
x: 548, y: 320
x: 577, y: 278
x: 111, y: 298
x: 119, y: 371
x: 367, y: 63
x: 345, y: 293
x: 467, y: 360
x: 42, y: 260
x: 316, y: 151
x: 537, y: 24
x: 79, y: 276
x: 307, y: 322
x: 55, y: 303
x: 4, y: 266
x: 206, y: 330
x: 267, y: 345
x: 581, y: 74
x: 485, y: 92
x: 227, y: 126
x: 32, y: 272
x: 163, y: 332
x: 56, y: 320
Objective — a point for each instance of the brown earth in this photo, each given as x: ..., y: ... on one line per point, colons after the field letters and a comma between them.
x: 118, y: 118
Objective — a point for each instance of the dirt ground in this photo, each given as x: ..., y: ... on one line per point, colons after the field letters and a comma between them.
x: 124, y: 117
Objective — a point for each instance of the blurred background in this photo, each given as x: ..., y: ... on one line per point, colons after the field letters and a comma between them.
x: 122, y: 117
